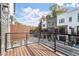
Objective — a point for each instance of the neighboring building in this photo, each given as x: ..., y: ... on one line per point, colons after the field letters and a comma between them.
x: 51, y: 22
x: 5, y: 21
x: 12, y: 12
x: 68, y: 22
x: 44, y: 22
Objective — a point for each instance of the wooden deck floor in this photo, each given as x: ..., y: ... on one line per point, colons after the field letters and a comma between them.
x: 31, y: 50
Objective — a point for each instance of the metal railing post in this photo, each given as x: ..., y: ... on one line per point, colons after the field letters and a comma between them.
x: 5, y: 41
x: 55, y: 42
x: 70, y: 44
x: 26, y: 39
x: 39, y: 37
x: 0, y: 43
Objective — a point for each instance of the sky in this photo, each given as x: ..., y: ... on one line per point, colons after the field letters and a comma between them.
x: 30, y: 13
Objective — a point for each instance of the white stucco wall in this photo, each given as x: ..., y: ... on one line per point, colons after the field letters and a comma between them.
x: 11, y: 8
x: 44, y: 23
x: 74, y: 23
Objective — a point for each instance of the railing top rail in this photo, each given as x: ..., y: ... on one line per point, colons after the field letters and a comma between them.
x: 45, y: 33
x: 63, y: 34
x: 71, y: 34
x: 18, y: 33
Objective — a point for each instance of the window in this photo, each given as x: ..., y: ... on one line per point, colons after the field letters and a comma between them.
x: 52, y: 23
x: 62, y: 20
x: 78, y: 17
x: 43, y: 25
x: 70, y: 19
x: 77, y: 29
x: 0, y: 11
x: 61, y: 29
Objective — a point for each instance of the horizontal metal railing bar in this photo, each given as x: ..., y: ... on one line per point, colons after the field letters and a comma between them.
x: 63, y: 34
x: 31, y: 43
x: 57, y: 50
x: 44, y: 34
x: 19, y: 33
x: 71, y: 34
x: 22, y: 45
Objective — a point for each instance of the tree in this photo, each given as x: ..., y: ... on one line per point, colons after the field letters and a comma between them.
x: 56, y: 9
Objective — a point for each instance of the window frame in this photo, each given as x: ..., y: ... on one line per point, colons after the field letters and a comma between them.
x: 78, y: 17
x: 70, y: 19
x: 61, y: 20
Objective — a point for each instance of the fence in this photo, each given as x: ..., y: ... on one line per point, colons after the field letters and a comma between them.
x: 51, y: 40
x: 68, y: 45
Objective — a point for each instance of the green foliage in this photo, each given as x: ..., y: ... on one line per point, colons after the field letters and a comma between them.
x: 57, y: 10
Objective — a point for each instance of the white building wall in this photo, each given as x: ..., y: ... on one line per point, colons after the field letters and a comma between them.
x: 44, y: 23
x: 5, y: 23
x: 11, y: 13
x: 11, y: 8
x: 74, y: 23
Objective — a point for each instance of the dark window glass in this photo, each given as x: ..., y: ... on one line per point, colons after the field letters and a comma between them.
x: 0, y: 11
x: 61, y: 30
x: 43, y: 25
x: 52, y: 23
x: 77, y: 29
x: 62, y: 20
x: 78, y: 17
x: 70, y: 19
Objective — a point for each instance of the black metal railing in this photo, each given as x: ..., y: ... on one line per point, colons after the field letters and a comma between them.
x: 26, y: 39
x: 12, y: 40
x: 51, y: 40
x: 67, y: 45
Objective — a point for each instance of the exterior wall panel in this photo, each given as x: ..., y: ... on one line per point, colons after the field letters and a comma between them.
x: 66, y: 16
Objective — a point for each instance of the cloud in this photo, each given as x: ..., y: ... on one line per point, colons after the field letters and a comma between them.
x: 77, y: 4
x: 74, y: 5
x: 31, y: 16
x: 60, y: 4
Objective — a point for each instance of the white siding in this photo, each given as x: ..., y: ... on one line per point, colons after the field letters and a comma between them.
x: 11, y: 8
x: 74, y: 23
x: 44, y: 23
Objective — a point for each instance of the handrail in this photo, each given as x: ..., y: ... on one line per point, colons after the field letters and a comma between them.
x: 18, y: 33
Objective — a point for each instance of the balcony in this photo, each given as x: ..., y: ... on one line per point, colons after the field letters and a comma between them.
x: 30, y: 46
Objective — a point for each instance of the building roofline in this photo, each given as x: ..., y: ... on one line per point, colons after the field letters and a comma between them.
x: 69, y: 11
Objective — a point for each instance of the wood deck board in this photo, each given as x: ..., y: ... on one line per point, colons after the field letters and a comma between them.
x: 21, y: 53
x: 36, y: 52
x: 26, y: 51
x: 40, y: 51
x: 18, y: 52
x: 44, y: 51
x: 15, y: 54
x: 47, y: 51
x: 30, y: 50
